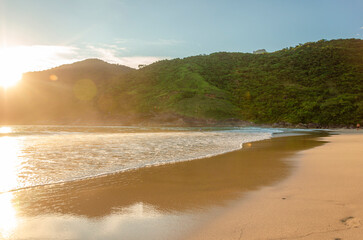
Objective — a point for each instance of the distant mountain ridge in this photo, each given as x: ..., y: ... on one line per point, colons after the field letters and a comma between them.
x: 320, y: 83
x: 96, y: 69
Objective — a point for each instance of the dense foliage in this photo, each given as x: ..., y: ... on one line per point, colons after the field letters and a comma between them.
x: 317, y: 82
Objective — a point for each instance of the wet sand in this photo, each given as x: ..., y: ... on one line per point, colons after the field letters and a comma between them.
x: 160, y: 202
x: 321, y: 200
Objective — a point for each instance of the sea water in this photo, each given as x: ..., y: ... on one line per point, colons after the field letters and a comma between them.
x: 39, y: 155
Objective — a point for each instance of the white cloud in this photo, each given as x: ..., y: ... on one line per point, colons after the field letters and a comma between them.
x: 42, y: 57
x: 111, y: 55
x: 106, y: 54
x: 37, y: 57
x: 115, y: 46
x: 137, y: 60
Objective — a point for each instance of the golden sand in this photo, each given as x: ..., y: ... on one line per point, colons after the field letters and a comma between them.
x: 323, y: 199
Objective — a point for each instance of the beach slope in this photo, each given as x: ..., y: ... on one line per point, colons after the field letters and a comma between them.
x: 321, y: 200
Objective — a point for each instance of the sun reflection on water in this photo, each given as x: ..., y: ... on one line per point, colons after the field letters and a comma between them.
x: 9, y: 152
x: 5, y: 130
x: 9, y: 162
x: 8, y: 220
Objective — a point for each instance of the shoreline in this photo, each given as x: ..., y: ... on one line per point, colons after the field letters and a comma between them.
x: 193, y: 124
x: 148, y: 165
x: 240, y: 170
x: 320, y: 200
x: 173, y: 198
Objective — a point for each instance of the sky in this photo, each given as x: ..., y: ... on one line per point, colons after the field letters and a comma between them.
x: 46, y: 33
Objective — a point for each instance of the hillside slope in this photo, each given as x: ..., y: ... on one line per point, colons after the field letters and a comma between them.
x: 65, y: 94
x: 317, y: 82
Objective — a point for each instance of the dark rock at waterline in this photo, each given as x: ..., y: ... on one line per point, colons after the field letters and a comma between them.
x: 314, y: 125
x: 301, y: 125
x: 282, y: 125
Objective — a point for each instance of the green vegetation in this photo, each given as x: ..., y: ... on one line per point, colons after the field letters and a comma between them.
x: 312, y: 83
x: 317, y: 82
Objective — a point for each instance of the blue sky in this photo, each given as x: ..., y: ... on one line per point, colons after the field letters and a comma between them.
x: 141, y: 31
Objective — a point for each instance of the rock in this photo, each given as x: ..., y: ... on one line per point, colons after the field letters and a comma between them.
x: 275, y: 125
x: 281, y: 125
x: 314, y: 125
x: 301, y: 125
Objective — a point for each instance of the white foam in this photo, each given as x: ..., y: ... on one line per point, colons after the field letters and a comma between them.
x: 83, y: 152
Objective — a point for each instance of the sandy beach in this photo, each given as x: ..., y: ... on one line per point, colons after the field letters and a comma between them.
x: 160, y: 202
x: 322, y: 199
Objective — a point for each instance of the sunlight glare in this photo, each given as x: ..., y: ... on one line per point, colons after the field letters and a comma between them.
x: 5, y: 130
x: 16, y: 60
x: 8, y: 220
x: 9, y: 148
x: 10, y: 72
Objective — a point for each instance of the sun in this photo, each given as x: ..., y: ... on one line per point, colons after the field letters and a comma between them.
x: 18, y: 59
x: 10, y: 69
x: 9, y: 77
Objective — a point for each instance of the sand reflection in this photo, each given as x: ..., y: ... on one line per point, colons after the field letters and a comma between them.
x: 139, y: 221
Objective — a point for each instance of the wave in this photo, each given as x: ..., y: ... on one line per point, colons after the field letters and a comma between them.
x: 58, y: 159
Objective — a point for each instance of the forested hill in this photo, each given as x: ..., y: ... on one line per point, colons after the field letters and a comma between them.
x: 320, y: 82
x: 95, y: 69
x: 67, y: 94
x: 317, y: 82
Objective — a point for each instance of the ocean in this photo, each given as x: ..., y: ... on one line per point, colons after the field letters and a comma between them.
x: 41, y: 155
